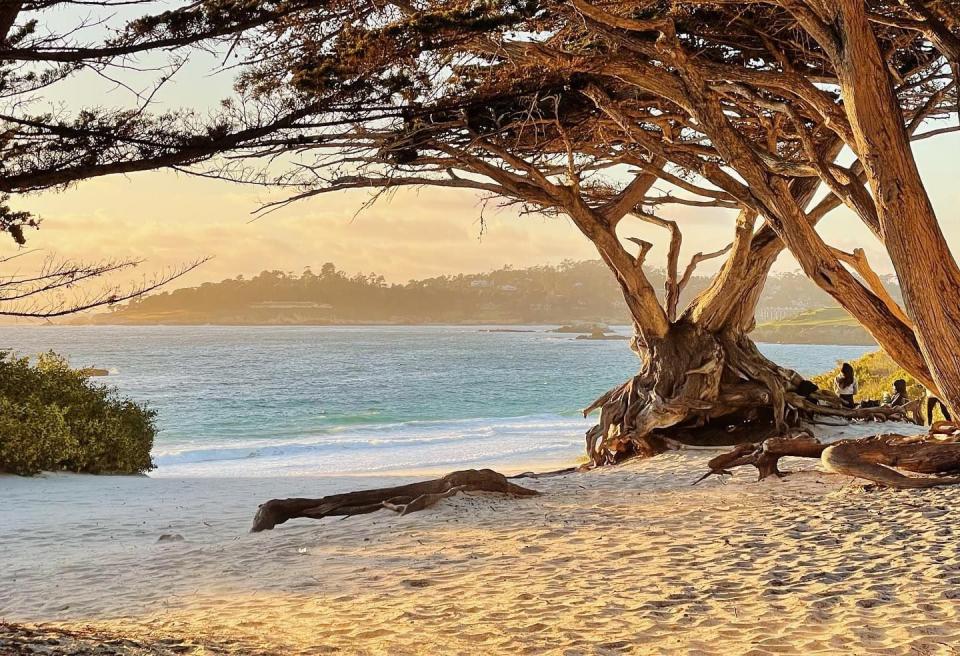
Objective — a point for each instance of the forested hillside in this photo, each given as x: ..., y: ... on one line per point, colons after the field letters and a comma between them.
x: 570, y: 291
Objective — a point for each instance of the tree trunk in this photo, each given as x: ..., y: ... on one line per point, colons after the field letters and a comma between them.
x: 702, y: 381
x: 732, y: 298
x: 697, y: 388
x: 927, y: 271
x: 705, y: 382
x: 785, y: 215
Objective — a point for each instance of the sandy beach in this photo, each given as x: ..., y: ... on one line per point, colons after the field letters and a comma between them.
x: 625, y: 560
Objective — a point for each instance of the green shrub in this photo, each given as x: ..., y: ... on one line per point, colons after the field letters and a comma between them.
x: 875, y: 374
x: 53, y: 418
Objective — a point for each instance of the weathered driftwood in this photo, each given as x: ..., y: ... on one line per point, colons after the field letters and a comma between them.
x: 404, y: 499
x: 766, y: 455
x: 874, y: 458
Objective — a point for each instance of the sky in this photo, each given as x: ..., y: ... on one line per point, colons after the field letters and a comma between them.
x: 168, y: 218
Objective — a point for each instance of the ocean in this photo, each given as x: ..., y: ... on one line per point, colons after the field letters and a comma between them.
x: 288, y: 401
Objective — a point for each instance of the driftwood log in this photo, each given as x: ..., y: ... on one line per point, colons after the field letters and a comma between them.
x: 875, y: 458
x: 403, y: 499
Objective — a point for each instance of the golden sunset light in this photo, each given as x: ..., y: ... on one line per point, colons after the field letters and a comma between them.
x: 479, y: 327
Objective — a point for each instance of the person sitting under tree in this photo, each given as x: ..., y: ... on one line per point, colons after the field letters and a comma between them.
x: 901, y: 399
x: 845, y: 384
x: 900, y: 396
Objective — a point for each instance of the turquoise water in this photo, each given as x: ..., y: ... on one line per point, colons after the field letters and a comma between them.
x: 268, y: 401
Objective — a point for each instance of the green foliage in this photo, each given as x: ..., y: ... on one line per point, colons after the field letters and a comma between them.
x: 53, y: 418
x: 875, y: 374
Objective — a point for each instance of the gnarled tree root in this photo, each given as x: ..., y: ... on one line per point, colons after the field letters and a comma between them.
x: 404, y: 499
x: 697, y: 388
x: 874, y: 458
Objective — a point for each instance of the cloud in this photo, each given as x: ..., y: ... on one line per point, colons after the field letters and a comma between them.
x: 169, y: 219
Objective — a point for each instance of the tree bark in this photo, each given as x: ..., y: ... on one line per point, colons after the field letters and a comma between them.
x: 786, y: 217
x: 928, y: 273
x: 696, y: 387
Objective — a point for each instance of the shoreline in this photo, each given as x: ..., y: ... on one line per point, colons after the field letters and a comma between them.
x: 504, y: 464
x: 795, y: 339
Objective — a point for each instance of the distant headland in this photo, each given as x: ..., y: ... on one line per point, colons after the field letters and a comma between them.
x: 791, y: 310
x: 829, y: 325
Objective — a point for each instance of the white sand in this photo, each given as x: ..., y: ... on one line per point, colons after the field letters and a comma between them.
x: 627, y: 560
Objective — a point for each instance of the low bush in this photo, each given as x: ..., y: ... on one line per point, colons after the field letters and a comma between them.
x: 53, y: 418
x: 875, y: 373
